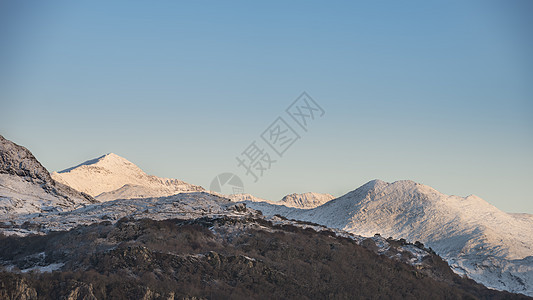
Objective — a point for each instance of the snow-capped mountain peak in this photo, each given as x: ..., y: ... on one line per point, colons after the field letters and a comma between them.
x: 305, y: 200
x: 111, y: 177
x: 110, y: 161
x: 476, y: 238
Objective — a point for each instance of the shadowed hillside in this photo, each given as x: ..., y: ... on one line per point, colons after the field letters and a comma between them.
x: 219, y: 258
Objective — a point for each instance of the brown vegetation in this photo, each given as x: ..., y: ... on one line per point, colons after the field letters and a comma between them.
x: 219, y: 259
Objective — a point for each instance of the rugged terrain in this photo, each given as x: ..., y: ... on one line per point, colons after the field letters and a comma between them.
x: 477, y: 239
x: 158, y: 238
x: 27, y: 187
x: 241, y: 255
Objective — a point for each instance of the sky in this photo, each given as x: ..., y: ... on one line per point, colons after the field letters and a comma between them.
x: 439, y: 92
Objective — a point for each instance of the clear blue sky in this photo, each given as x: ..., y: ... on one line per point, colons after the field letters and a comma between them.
x: 440, y: 93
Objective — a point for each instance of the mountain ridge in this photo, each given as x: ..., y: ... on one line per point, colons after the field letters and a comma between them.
x: 306, y: 200
x: 475, y: 237
x: 88, y: 162
x: 27, y: 187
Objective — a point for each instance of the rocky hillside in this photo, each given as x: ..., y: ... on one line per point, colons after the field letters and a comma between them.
x: 240, y: 257
x: 27, y: 187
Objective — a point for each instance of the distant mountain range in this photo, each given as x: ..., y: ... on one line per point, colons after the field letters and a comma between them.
x: 303, y: 200
x: 474, y: 237
x: 111, y: 177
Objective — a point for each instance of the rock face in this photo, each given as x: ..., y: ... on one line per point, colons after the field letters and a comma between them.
x: 81, y: 290
x: 476, y: 238
x: 12, y: 287
x: 112, y: 177
x: 27, y: 187
x: 19, y: 161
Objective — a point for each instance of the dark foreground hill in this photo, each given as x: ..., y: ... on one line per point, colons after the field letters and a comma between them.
x: 220, y: 258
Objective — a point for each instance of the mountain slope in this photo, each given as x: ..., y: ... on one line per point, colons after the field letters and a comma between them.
x: 475, y: 237
x: 111, y: 177
x: 219, y: 249
x: 27, y: 187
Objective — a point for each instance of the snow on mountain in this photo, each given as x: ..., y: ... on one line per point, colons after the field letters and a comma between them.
x: 305, y: 200
x: 111, y: 177
x: 523, y: 216
x: 476, y: 238
x: 246, y: 197
x: 190, y: 206
x: 183, y: 206
x: 26, y: 186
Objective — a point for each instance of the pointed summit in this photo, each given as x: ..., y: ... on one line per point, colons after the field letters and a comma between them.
x: 111, y: 177
x: 107, y: 159
x: 112, y: 157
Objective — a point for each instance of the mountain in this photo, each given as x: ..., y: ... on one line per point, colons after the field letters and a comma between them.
x: 27, y: 187
x: 111, y: 177
x: 246, y: 197
x: 304, y: 200
x: 184, y: 206
x: 476, y: 238
x: 193, y: 244
x: 201, y: 246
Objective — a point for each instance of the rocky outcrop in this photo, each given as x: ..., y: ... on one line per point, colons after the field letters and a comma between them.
x: 19, y: 161
x: 14, y: 287
x: 27, y: 187
x: 81, y: 291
